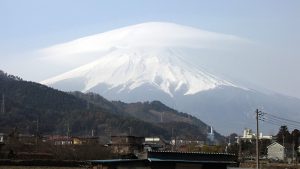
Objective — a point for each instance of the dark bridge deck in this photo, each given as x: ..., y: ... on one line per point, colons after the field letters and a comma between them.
x: 171, y: 160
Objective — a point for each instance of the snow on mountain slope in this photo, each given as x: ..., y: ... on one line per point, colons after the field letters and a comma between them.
x: 130, y: 68
x: 150, y: 53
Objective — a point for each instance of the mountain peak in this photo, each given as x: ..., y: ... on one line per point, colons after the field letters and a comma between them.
x: 126, y: 70
x: 152, y: 53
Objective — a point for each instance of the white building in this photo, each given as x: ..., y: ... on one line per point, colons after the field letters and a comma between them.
x: 248, y: 135
x: 1, y: 138
x: 276, y: 151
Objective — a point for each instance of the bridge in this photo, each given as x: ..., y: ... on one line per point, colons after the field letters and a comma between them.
x: 171, y: 160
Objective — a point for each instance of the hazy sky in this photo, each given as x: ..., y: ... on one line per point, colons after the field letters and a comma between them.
x: 273, y: 26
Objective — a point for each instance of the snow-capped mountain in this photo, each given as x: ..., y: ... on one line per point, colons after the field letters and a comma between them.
x: 149, y: 61
x: 149, y: 53
x: 128, y: 69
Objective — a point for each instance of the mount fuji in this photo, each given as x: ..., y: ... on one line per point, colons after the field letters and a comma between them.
x: 149, y: 61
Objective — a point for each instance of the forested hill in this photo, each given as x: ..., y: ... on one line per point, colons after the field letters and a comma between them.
x: 25, y: 103
x: 155, y: 113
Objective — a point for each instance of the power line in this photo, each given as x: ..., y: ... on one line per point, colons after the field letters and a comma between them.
x: 292, y: 121
x: 271, y: 122
x: 281, y: 122
x: 266, y: 119
x: 278, y: 121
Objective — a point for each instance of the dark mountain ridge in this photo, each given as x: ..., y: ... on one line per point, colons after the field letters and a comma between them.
x: 28, y: 102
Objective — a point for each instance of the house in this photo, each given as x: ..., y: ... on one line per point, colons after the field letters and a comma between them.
x: 123, y: 145
x: 155, y: 144
x: 89, y: 140
x: 76, y: 141
x: 186, y: 144
x: 179, y: 142
x: 28, y: 139
x: 276, y: 151
x: 60, y: 140
x: 85, y: 140
x: 66, y: 140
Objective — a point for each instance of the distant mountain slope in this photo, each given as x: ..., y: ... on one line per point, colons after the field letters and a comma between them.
x: 27, y: 102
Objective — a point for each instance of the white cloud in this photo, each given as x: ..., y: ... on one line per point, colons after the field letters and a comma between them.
x: 152, y: 34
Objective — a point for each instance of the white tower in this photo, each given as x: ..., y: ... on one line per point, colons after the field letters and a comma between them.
x: 211, y: 135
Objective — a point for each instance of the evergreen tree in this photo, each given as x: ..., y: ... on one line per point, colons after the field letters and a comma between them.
x: 283, y: 136
x: 295, y: 138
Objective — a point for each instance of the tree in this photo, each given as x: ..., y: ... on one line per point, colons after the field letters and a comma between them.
x: 284, y: 136
x: 295, y: 138
x: 232, y: 138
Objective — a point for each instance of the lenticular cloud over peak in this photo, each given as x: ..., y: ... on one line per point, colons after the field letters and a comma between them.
x: 144, y: 35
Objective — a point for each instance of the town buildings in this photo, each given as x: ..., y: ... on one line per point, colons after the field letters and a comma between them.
x: 248, y: 135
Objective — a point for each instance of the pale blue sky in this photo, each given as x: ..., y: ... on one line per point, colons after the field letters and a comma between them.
x: 272, y: 24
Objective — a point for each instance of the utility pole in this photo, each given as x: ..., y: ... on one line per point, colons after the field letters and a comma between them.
x: 37, y: 133
x: 68, y: 129
x: 257, y: 139
x: 172, y: 139
x: 130, y: 130
x: 240, y: 147
x: 283, y: 146
x: 88, y: 105
x: 3, y: 105
x: 162, y: 117
x: 108, y: 132
x: 37, y: 126
x: 293, y: 149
